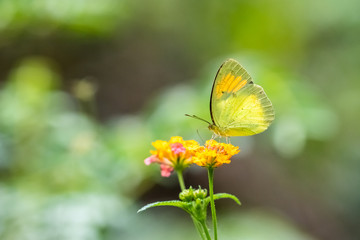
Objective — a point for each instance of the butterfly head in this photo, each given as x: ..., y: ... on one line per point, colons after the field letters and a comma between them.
x: 215, y: 129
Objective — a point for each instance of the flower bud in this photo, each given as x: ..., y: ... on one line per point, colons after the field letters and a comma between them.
x: 187, y: 195
x: 200, y: 193
x: 198, y: 204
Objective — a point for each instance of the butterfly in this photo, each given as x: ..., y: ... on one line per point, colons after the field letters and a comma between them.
x: 238, y: 107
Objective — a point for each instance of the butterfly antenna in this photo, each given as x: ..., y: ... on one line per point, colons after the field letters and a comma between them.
x: 196, y: 117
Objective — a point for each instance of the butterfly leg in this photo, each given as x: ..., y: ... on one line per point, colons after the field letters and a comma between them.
x: 202, y: 140
x: 214, y: 136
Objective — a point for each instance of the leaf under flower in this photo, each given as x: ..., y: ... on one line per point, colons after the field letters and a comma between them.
x: 226, y: 195
x: 174, y: 203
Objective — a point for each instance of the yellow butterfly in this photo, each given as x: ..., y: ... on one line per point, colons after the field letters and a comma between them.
x: 238, y: 107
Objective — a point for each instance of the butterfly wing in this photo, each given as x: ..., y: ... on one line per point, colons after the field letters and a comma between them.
x: 238, y: 106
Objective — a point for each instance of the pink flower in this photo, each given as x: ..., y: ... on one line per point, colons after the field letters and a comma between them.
x: 151, y: 159
x: 166, y: 170
x: 177, y: 148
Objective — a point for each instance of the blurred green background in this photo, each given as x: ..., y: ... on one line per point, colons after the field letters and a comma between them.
x: 86, y: 86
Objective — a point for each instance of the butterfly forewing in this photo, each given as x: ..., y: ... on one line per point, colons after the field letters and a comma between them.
x: 231, y: 77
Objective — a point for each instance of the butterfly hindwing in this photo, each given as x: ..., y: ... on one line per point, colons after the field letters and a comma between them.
x: 238, y: 106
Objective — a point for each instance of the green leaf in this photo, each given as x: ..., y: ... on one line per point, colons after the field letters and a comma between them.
x: 226, y: 195
x: 174, y: 203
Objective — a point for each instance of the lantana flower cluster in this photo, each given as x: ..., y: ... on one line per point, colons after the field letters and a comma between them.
x: 214, y: 154
x: 178, y: 154
x: 175, y: 154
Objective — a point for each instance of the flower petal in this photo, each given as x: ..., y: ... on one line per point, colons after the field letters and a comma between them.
x: 166, y: 170
x: 151, y: 159
x: 177, y: 148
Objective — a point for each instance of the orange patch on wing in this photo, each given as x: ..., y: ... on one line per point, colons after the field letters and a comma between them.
x: 234, y: 83
x: 221, y: 85
x: 241, y: 84
x: 227, y: 77
x: 229, y: 84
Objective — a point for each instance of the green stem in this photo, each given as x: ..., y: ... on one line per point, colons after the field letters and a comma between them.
x: 181, y: 180
x: 198, y: 226
x: 203, y: 224
x: 211, y: 190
